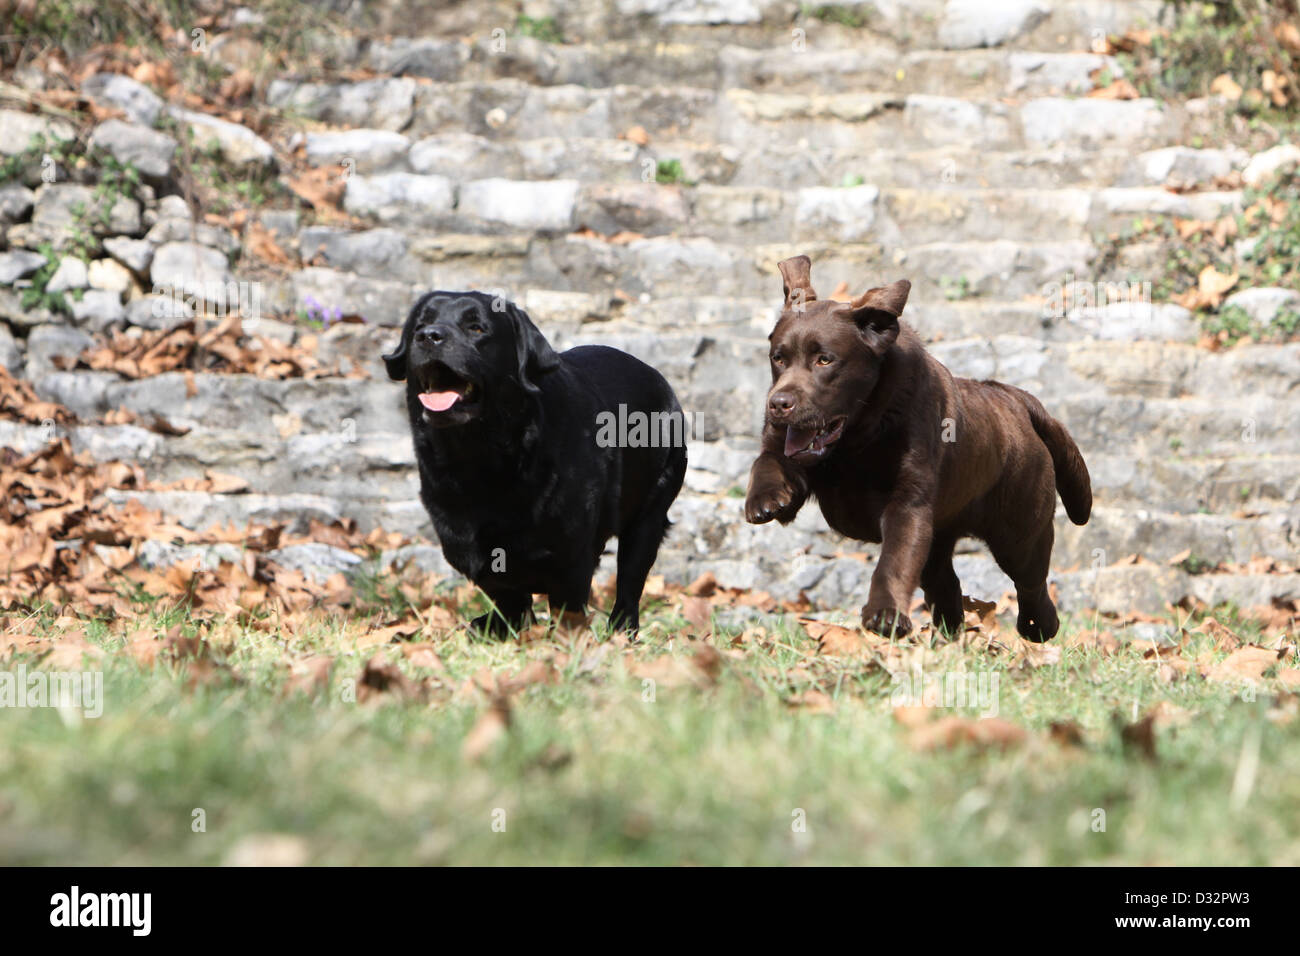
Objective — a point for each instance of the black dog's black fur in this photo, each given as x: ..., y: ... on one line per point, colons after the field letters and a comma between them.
x: 522, y: 496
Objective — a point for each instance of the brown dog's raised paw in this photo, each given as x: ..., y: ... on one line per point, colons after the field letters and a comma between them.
x: 887, y: 621
x: 764, y: 504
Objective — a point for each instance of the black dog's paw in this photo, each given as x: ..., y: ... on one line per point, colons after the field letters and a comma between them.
x: 491, y: 625
x: 1039, y: 627
x: 621, y: 619
x: 887, y: 621
x: 764, y: 504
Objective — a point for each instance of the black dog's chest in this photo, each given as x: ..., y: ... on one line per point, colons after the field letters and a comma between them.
x: 505, y: 543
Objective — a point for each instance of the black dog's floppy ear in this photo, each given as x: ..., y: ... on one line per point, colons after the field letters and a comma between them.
x: 534, y: 353
x: 876, y: 311
x: 796, y: 281
x: 395, y: 361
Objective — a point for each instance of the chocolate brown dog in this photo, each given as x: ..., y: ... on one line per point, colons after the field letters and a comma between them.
x: 899, y: 451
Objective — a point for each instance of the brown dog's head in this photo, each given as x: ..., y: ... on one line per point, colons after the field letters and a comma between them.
x: 826, y: 359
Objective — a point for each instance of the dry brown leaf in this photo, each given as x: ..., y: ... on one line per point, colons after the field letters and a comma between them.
x: 812, y: 701
x: 1224, y: 85
x: 1247, y: 663
x: 491, y: 727
x: 952, y: 731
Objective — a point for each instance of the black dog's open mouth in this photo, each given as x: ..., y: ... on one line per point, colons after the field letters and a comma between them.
x: 811, y: 442
x: 442, y: 390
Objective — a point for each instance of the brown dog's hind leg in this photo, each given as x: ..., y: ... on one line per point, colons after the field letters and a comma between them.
x: 1026, y: 563
x: 942, y: 588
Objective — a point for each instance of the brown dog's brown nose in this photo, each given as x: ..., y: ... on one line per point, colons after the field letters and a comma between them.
x: 780, y: 403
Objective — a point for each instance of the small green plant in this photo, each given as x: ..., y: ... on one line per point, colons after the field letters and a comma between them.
x: 669, y: 171
x: 1175, y: 443
x: 1194, y: 564
x: 1287, y: 322
x: 544, y: 29
x: 1270, y: 220
x: 835, y: 13
x: 1232, y: 323
x: 1238, y: 38
x: 35, y: 296
x: 850, y: 180
x: 956, y: 288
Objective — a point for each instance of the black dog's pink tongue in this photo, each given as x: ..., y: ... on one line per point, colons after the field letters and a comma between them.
x: 439, y: 401
x: 798, y: 439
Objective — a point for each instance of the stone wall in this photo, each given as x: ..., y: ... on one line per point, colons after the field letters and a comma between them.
x: 949, y: 142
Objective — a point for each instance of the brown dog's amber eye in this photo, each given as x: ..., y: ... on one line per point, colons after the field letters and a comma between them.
x: 824, y: 360
x: 778, y: 360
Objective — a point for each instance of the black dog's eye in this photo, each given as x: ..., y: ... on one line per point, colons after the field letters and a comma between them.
x: 476, y: 328
x: 825, y: 359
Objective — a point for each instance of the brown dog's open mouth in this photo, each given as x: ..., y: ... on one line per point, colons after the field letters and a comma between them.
x: 809, y: 444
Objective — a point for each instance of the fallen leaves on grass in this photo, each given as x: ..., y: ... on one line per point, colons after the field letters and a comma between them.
x: 836, y: 640
x: 490, y: 728
x: 380, y: 679
x: 68, y: 543
x: 926, y: 732
x: 1139, y: 737
x: 700, y: 669
x: 1246, y: 664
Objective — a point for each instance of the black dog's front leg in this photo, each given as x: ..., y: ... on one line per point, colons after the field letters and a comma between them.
x: 511, y: 610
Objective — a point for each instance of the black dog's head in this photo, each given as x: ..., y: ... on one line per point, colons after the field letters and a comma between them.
x: 466, y: 354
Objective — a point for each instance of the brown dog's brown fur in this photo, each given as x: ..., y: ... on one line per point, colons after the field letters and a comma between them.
x: 913, y: 457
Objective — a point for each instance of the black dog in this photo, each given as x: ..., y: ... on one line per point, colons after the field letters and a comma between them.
x: 522, y: 468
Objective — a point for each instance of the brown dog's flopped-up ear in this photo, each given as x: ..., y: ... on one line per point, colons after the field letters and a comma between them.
x: 796, y: 281
x: 534, y: 353
x: 876, y: 312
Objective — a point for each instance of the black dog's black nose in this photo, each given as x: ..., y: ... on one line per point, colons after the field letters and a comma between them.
x: 429, y: 335
x: 780, y: 403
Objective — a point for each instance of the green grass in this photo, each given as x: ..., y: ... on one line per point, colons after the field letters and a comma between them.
x: 590, y: 772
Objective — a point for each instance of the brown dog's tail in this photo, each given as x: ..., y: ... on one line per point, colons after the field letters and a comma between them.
x: 1072, y: 481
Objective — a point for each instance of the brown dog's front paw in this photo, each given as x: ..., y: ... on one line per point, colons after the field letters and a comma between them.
x: 888, y: 621
x: 764, y: 504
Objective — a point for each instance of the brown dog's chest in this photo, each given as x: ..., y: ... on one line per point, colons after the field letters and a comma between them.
x: 853, y: 508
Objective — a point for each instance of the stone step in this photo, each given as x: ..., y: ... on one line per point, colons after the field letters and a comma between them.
x: 869, y: 63
x: 467, y: 156
x: 753, y: 215
x: 1151, y: 395
x: 689, y: 266
x: 357, y: 455
x: 433, y: 39
x: 506, y: 110
x: 706, y: 526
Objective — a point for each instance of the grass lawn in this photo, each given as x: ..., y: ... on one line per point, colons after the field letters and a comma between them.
x: 326, y: 741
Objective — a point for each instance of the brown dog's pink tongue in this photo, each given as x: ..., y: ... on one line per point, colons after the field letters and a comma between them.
x: 439, y: 401
x: 798, y: 439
